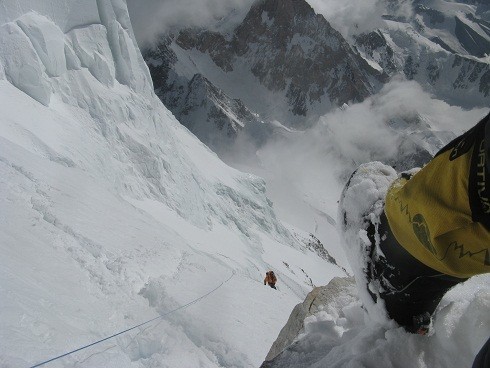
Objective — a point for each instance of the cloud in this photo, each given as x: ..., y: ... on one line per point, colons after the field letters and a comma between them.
x: 151, y: 18
x: 351, y: 17
x: 360, y: 133
x: 306, y: 170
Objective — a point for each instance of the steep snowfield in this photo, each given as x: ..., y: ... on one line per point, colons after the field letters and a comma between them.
x: 112, y: 213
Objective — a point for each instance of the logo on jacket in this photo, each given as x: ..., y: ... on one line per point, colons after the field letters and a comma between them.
x: 456, y: 247
x: 481, y: 179
x: 421, y: 230
x: 460, y: 149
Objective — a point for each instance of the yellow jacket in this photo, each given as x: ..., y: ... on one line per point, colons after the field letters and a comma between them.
x: 441, y: 215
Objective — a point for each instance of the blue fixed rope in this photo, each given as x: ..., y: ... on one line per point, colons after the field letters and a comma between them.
x: 134, y: 327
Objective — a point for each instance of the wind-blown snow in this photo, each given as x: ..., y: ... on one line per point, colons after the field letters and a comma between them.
x: 362, y: 201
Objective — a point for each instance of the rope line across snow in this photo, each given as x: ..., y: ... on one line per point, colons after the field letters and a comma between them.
x: 139, y: 325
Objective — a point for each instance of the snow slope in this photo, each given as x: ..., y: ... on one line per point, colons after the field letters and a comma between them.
x: 113, y: 213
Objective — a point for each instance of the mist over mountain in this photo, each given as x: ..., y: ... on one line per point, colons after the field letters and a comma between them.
x: 282, y: 62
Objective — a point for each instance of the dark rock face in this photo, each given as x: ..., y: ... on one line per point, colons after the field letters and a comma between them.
x: 443, y: 44
x: 375, y: 46
x: 160, y: 61
x: 471, y: 40
x: 471, y: 71
x: 208, y: 42
x: 207, y: 111
x: 410, y: 68
x: 291, y: 50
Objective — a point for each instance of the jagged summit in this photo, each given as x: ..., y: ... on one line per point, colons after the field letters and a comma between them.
x: 283, y: 10
x: 291, y: 49
x: 283, y: 62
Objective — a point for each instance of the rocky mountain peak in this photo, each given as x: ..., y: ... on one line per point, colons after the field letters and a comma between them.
x: 292, y: 49
x: 282, y: 10
x: 283, y: 61
x: 276, y: 22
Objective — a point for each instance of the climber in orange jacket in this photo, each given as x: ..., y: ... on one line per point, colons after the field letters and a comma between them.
x: 270, y: 279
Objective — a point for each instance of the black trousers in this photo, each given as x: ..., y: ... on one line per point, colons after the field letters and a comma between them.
x: 410, y: 288
x: 482, y: 360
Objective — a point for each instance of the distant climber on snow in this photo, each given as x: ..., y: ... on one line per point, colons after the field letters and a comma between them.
x: 270, y: 279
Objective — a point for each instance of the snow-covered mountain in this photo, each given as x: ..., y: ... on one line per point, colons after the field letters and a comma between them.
x: 443, y: 45
x: 281, y: 60
x: 112, y: 213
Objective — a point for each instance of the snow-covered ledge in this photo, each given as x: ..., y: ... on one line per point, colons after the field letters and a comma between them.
x: 318, y: 299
